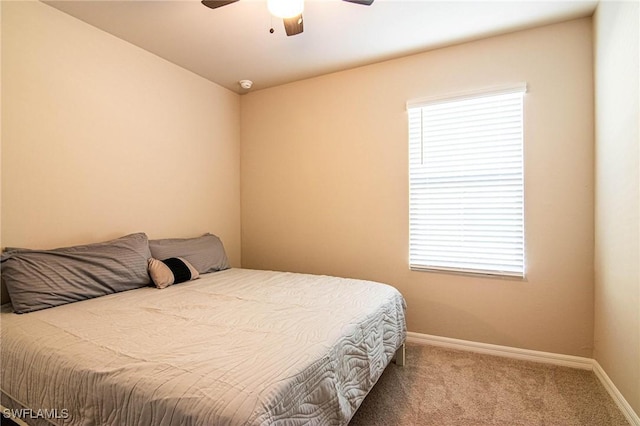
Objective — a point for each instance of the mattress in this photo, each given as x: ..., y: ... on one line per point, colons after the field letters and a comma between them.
x: 236, y: 347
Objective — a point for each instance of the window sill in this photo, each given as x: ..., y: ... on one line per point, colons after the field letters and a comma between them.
x: 467, y: 272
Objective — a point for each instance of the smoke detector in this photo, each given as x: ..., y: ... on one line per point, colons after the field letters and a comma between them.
x: 246, y: 84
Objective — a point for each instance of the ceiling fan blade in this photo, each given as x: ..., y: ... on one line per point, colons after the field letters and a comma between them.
x: 293, y: 25
x: 363, y: 2
x: 214, y: 4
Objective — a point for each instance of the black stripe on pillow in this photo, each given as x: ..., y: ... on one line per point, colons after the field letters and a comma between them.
x: 181, y: 272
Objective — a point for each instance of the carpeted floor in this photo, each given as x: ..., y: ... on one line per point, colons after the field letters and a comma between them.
x: 448, y: 387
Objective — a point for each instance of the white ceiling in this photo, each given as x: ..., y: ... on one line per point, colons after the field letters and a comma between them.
x: 233, y: 42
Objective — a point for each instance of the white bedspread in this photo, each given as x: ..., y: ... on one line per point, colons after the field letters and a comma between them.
x: 237, y: 347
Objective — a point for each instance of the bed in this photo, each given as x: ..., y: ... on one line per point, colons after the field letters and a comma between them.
x: 233, y: 347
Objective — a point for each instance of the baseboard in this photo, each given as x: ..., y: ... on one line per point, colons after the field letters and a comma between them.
x: 504, y: 351
x: 535, y: 356
x: 621, y: 402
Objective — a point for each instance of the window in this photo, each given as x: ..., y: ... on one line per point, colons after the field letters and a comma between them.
x: 466, y: 183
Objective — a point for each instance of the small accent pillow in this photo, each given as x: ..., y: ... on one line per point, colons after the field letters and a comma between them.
x: 171, y: 271
x: 205, y: 253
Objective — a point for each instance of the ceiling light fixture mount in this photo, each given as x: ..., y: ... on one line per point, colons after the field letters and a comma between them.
x: 285, y: 8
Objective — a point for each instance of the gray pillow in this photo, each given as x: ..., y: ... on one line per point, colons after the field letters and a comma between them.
x: 205, y: 253
x: 39, y: 279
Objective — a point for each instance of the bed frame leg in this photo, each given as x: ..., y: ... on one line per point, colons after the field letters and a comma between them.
x: 400, y: 356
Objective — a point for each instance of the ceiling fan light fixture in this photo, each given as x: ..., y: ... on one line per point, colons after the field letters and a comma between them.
x: 285, y: 8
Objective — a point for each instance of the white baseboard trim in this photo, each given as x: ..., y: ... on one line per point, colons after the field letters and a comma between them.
x: 535, y: 356
x: 504, y: 351
x: 621, y: 402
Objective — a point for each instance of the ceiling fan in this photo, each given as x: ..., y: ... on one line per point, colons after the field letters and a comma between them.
x: 289, y: 10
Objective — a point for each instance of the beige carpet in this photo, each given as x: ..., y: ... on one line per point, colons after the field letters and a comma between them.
x: 448, y: 387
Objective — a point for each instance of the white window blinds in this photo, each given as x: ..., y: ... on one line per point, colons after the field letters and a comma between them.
x: 466, y: 186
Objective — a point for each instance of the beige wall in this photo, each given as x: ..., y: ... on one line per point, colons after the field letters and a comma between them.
x: 617, y: 224
x: 324, y: 185
x: 101, y: 138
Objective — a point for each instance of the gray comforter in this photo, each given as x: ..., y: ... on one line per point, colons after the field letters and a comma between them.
x: 237, y: 347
